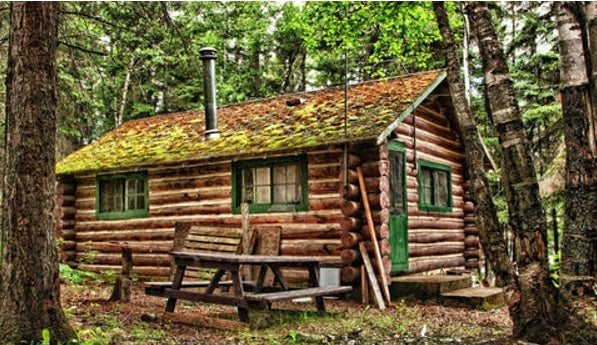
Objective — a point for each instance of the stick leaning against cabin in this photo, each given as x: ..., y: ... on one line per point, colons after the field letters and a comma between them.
x: 378, y: 259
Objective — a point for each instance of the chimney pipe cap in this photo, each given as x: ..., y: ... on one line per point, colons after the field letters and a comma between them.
x: 207, y: 53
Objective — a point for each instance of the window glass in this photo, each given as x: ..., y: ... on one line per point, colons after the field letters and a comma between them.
x: 435, y: 193
x: 122, y: 196
x: 441, y: 188
x: 270, y: 185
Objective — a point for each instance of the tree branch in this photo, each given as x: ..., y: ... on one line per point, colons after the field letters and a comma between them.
x: 90, y: 51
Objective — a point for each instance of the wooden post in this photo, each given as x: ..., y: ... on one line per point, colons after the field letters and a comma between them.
x: 364, y: 286
x: 246, y: 236
x: 122, y: 286
x: 376, y: 251
x: 377, y: 297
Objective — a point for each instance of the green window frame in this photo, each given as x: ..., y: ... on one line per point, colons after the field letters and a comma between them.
x: 120, y: 196
x: 270, y: 185
x: 435, y: 187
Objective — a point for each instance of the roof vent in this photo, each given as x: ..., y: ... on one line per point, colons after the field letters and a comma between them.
x: 208, y: 55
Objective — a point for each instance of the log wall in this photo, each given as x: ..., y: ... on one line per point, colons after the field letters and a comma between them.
x: 65, y: 219
x: 437, y: 240
x: 201, y: 192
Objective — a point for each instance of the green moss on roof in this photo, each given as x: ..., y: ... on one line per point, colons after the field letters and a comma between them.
x: 253, y: 127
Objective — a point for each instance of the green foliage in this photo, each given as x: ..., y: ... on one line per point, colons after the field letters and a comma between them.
x: 76, y: 276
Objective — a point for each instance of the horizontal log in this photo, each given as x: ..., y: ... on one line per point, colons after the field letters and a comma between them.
x: 136, y: 247
x: 471, y: 265
x: 350, y: 274
x: 153, y: 259
x: 68, y: 245
x: 434, y: 263
x: 139, y: 271
x: 314, y: 231
x: 68, y: 200
x: 66, y: 233
x: 68, y: 212
x: 351, y: 174
x: 324, y: 170
x: 471, y: 253
x: 447, y: 224
x: 353, y: 160
x: 311, y: 247
x: 190, y: 209
x: 351, y: 224
x: 350, y: 192
x: 189, y: 182
x: 471, y: 230
x: 351, y: 239
x: 435, y: 249
x: 324, y: 186
x: 350, y: 257
x: 435, y: 236
x: 351, y: 208
x: 469, y: 207
x: 472, y: 241
x: 94, y: 225
x: 67, y: 188
x: 126, y: 235
x: 318, y: 204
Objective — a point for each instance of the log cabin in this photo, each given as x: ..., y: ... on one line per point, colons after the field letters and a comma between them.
x: 292, y: 159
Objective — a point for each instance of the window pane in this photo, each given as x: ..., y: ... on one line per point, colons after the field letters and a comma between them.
x: 287, y: 184
x: 135, y: 194
x: 111, y: 195
x: 262, y: 186
x: 441, y: 188
x: 397, y: 182
x: 426, y: 192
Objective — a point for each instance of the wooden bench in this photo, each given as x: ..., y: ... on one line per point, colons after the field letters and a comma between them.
x: 201, y: 238
x: 299, y: 293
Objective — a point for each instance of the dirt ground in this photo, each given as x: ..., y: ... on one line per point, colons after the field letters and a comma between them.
x: 346, y: 322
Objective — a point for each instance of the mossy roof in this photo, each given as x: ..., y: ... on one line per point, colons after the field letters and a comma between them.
x: 257, y: 127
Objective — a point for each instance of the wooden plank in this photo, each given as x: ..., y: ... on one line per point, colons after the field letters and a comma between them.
x: 299, y: 293
x: 376, y: 251
x: 377, y: 297
x: 364, y: 286
x: 205, y: 321
x: 268, y: 243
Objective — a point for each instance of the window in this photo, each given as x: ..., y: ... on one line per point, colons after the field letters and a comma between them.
x: 121, y: 196
x: 270, y: 185
x: 435, y: 187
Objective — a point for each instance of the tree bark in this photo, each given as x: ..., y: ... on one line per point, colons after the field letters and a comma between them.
x: 29, y: 283
x: 578, y: 260
x: 535, y: 313
x: 486, y: 220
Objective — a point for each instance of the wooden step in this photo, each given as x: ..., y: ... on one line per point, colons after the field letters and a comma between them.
x: 427, y: 287
x: 475, y: 298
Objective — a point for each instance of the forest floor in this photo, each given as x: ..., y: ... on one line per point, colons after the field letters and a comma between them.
x: 98, y: 322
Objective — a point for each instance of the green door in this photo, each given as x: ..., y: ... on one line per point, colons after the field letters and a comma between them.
x: 398, y: 208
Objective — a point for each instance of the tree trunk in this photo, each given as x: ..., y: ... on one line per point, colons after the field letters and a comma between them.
x: 534, y: 314
x: 486, y: 220
x: 30, y: 285
x: 580, y: 227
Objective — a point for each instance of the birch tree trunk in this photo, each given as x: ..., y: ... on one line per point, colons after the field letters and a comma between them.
x: 535, y: 312
x: 29, y: 282
x: 577, y: 89
x: 486, y: 219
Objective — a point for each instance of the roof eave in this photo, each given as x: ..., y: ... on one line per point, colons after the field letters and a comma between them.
x: 386, y: 132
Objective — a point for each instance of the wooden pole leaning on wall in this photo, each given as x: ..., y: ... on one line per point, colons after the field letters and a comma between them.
x: 377, y: 297
x: 376, y: 251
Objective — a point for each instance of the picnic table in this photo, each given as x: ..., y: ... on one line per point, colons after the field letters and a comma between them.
x: 232, y: 264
